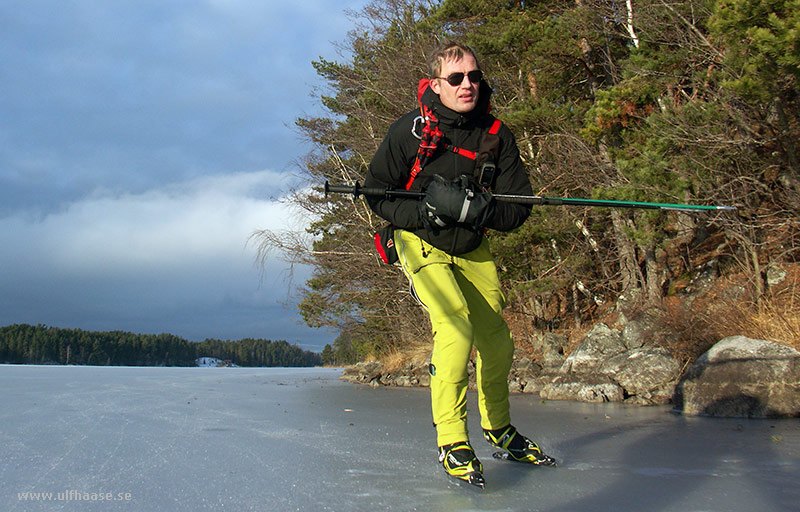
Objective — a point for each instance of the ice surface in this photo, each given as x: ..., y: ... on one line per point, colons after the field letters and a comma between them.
x: 193, y: 439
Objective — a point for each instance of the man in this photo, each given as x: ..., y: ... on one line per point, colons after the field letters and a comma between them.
x: 442, y: 249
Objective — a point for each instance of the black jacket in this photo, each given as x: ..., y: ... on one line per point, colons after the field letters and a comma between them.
x: 392, y: 163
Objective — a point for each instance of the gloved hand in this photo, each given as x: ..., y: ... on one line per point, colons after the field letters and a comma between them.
x: 449, y: 202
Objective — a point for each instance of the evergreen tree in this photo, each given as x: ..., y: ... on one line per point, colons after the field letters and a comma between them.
x: 688, y: 101
x: 41, y: 344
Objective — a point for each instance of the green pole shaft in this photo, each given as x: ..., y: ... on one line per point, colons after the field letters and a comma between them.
x: 357, y: 190
x: 566, y: 201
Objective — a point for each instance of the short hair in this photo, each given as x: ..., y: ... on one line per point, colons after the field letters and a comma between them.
x: 448, y: 50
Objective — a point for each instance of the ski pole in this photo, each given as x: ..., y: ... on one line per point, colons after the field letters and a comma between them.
x: 357, y: 190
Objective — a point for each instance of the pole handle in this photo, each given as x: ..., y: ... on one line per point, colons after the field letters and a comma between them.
x: 357, y: 190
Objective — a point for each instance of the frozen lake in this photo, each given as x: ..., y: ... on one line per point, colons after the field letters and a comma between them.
x: 189, y: 439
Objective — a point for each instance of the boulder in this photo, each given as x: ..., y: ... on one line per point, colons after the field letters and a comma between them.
x: 553, y: 350
x: 647, y: 375
x: 551, y: 346
x: 374, y: 373
x: 646, y: 329
x: 585, y: 388
x: 597, y: 345
x: 609, y: 366
x: 515, y: 386
x: 742, y: 377
x: 523, y: 371
x: 535, y: 384
x: 633, y: 334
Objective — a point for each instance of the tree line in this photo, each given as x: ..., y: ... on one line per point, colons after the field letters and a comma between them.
x: 40, y: 344
x: 685, y: 101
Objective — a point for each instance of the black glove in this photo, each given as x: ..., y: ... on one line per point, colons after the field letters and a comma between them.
x: 450, y: 202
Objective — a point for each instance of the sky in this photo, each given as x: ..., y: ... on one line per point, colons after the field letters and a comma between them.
x: 141, y: 143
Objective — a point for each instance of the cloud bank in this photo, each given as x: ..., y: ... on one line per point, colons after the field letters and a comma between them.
x: 142, y: 143
x: 155, y: 261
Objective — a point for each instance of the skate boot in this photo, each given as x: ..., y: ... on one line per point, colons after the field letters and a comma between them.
x: 517, y: 447
x: 459, y: 461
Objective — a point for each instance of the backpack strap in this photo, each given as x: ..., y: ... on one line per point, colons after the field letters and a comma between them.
x: 488, y: 153
x: 429, y: 137
x: 429, y: 140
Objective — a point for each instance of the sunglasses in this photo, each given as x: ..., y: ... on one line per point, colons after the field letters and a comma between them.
x: 455, y: 79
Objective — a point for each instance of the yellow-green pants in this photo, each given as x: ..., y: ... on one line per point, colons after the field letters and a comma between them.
x: 463, y: 297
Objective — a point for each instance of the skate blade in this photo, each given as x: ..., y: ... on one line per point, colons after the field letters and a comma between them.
x: 471, y: 481
x: 546, y: 460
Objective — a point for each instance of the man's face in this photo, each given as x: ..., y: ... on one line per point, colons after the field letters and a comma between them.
x: 462, y: 97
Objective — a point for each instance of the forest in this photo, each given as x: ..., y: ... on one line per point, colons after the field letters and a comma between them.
x: 40, y: 344
x: 679, y: 101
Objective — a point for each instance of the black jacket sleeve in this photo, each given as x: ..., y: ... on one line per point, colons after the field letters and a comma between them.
x: 512, y: 179
x: 391, y: 167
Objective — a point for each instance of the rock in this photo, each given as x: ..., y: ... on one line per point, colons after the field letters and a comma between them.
x: 647, y: 330
x: 534, y: 369
x: 523, y: 370
x: 776, y: 275
x: 599, y: 344
x: 424, y: 378
x: 403, y: 381
x: 622, y: 318
x: 585, y: 388
x: 648, y: 373
x: 611, y: 366
x: 633, y: 334
x: 535, y: 384
x: 472, y: 383
x: 552, y: 348
x: 521, y: 365
x: 738, y: 377
x: 742, y: 377
x: 363, y: 373
x: 705, y: 276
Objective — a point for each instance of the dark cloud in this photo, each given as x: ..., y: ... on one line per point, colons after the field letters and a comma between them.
x: 140, y: 144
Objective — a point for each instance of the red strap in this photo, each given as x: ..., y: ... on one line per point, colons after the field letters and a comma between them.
x: 417, y: 167
x: 472, y: 155
x: 414, y: 171
x: 463, y: 152
x: 379, y: 248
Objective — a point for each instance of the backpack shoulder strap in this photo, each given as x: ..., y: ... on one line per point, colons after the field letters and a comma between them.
x: 488, y: 153
x: 429, y: 137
